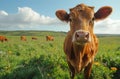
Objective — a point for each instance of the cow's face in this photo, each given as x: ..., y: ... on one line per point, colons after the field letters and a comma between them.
x: 81, y: 20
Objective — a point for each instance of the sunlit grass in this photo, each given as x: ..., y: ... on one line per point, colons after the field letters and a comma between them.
x: 41, y: 59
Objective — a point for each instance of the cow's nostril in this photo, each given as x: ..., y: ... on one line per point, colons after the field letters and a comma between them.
x: 77, y: 35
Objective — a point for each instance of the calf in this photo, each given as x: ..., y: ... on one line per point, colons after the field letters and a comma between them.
x: 81, y: 44
x: 23, y: 38
x: 3, y: 38
x: 49, y: 38
x: 34, y: 38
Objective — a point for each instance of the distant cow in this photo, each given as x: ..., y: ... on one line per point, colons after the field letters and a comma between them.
x: 3, y: 38
x: 81, y: 44
x: 34, y: 38
x: 23, y: 38
x: 49, y: 38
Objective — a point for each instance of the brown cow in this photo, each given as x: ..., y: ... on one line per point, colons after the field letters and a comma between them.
x: 23, y: 38
x: 49, y: 38
x: 34, y: 38
x: 3, y: 38
x: 81, y: 44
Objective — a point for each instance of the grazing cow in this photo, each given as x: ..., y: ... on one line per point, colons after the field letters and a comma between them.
x: 3, y: 38
x: 23, y: 38
x: 34, y: 38
x: 49, y: 38
x: 81, y: 44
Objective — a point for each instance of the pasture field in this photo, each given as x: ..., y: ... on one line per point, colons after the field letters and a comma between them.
x: 41, y: 59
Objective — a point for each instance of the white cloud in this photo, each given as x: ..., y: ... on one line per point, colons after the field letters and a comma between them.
x: 25, y: 18
x: 108, y: 26
x: 3, y: 13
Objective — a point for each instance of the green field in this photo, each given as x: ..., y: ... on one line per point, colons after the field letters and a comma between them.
x: 41, y: 59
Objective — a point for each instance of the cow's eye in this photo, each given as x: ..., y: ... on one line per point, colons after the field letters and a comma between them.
x: 92, y: 20
x: 79, y: 10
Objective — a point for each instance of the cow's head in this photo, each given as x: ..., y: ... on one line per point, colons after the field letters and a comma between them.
x: 6, y: 39
x: 82, y: 19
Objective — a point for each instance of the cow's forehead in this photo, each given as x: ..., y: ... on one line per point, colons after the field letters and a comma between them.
x: 82, y: 7
x: 82, y: 10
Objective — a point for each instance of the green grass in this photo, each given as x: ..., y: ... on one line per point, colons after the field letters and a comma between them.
x: 41, y: 59
x: 108, y: 56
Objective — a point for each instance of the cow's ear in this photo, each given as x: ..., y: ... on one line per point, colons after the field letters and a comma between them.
x: 103, y: 12
x: 62, y: 15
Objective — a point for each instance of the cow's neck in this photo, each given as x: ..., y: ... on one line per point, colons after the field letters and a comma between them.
x: 78, y: 49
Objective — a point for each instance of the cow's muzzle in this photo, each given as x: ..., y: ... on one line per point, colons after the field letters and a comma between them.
x: 81, y: 37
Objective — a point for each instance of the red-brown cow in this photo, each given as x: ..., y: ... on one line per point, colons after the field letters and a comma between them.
x: 81, y: 44
x: 3, y: 38
x: 34, y: 38
x: 49, y: 38
x: 23, y: 38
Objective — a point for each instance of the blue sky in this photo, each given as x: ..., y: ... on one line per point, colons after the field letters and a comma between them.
x: 40, y: 15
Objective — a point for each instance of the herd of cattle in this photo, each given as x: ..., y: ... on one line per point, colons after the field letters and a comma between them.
x: 24, y: 38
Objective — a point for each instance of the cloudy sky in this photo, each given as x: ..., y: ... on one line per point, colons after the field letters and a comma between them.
x: 40, y: 15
